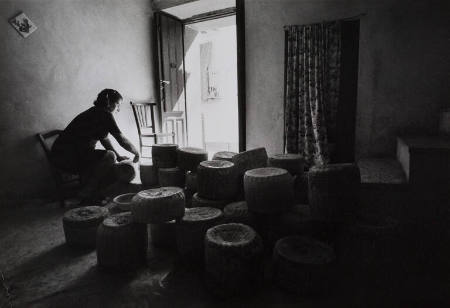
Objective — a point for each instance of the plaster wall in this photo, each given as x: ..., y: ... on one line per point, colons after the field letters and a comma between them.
x: 403, y: 67
x: 79, y: 48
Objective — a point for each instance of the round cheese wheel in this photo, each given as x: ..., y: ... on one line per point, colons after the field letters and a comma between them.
x: 125, y: 171
x: 164, y: 155
x: 188, y: 158
x: 158, y: 205
x: 268, y: 190
x: 121, y: 243
x: 224, y: 155
x: 303, y: 265
x: 198, y: 201
x: 80, y: 225
x: 238, y: 212
x: 171, y: 177
x: 233, y: 259
x: 217, y: 180
x: 191, y: 230
x: 293, y: 163
x: 123, y: 202
x: 334, y: 191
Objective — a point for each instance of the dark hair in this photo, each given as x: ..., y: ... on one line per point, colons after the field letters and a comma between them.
x: 107, y: 96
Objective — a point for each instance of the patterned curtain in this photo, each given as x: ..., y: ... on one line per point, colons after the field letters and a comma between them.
x: 311, y: 89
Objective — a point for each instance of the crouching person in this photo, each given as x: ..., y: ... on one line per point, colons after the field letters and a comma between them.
x: 74, y: 149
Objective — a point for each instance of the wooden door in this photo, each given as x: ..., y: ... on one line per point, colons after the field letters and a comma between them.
x: 171, y: 83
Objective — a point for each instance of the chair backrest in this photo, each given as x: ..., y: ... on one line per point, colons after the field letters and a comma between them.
x: 46, y: 140
x: 144, y: 114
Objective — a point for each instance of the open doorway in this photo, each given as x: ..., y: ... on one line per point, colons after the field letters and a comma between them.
x: 211, y: 84
x: 201, y: 76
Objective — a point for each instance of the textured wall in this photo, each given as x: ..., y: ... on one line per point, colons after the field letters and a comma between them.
x: 403, y: 67
x: 79, y: 48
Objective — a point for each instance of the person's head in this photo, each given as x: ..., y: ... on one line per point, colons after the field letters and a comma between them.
x: 108, y: 99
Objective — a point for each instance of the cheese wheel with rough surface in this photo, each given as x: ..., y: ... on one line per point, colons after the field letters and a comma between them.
x: 121, y: 243
x: 123, y: 201
x: 80, y: 225
x: 303, y: 265
x: 191, y: 230
x: 233, y: 259
x: 224, y: 155
x: 124, y: 171
x: 171, y: 177
x: 158, y: 205
x: 238, y: 212
x: 268, y: 190
x: 333, y: 191
x: 251, y: 159
x: 247, y: 160
x: 198, y: 201
x: 217, y: 180
x: 188, y: 158
x: 164, y: 155
x: 293, y: 163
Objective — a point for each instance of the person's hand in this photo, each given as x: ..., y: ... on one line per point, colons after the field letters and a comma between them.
x: 136, y: 158
x: 122, y: 157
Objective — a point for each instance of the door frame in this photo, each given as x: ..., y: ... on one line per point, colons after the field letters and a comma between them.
x: 239, y: 12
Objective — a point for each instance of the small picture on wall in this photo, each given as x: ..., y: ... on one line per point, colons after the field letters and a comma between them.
x: 23, y: 24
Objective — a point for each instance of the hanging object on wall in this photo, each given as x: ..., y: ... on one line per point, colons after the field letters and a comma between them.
x: 23, y: 24
x: 209, y: 76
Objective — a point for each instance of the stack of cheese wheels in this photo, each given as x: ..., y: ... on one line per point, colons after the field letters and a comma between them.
x: 303, y: 265
x: 334, y: 191
x: 233, y: 259
x: 293, y: 163
x: 188, y: 158
x: 224, y: 155
x: 164, y: 155
x: 268, y: 190
x: 247, y: 160
x: 80, y: 225
x: 191, y: 229
x: 121, y: 243
x: 237, y: 212
x: 122, y: 203
x: 158, y: 205
x: 125, y: 171
x: 198, y: 201
x: 171, y: 177
x: 163, y: 235
x: 217, y: 180
x: 148, y: 173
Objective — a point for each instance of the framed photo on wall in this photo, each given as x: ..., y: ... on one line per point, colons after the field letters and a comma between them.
x: 23, y: 24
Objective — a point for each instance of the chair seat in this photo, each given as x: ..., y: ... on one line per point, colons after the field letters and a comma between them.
x: 158, y: 135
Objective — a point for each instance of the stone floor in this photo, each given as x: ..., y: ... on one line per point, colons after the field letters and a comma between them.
x: 41, y: 271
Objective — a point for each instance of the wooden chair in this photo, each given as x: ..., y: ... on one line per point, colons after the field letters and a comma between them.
x: 173, y: 121
x: 62, y: 179
x: 144, y: 114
